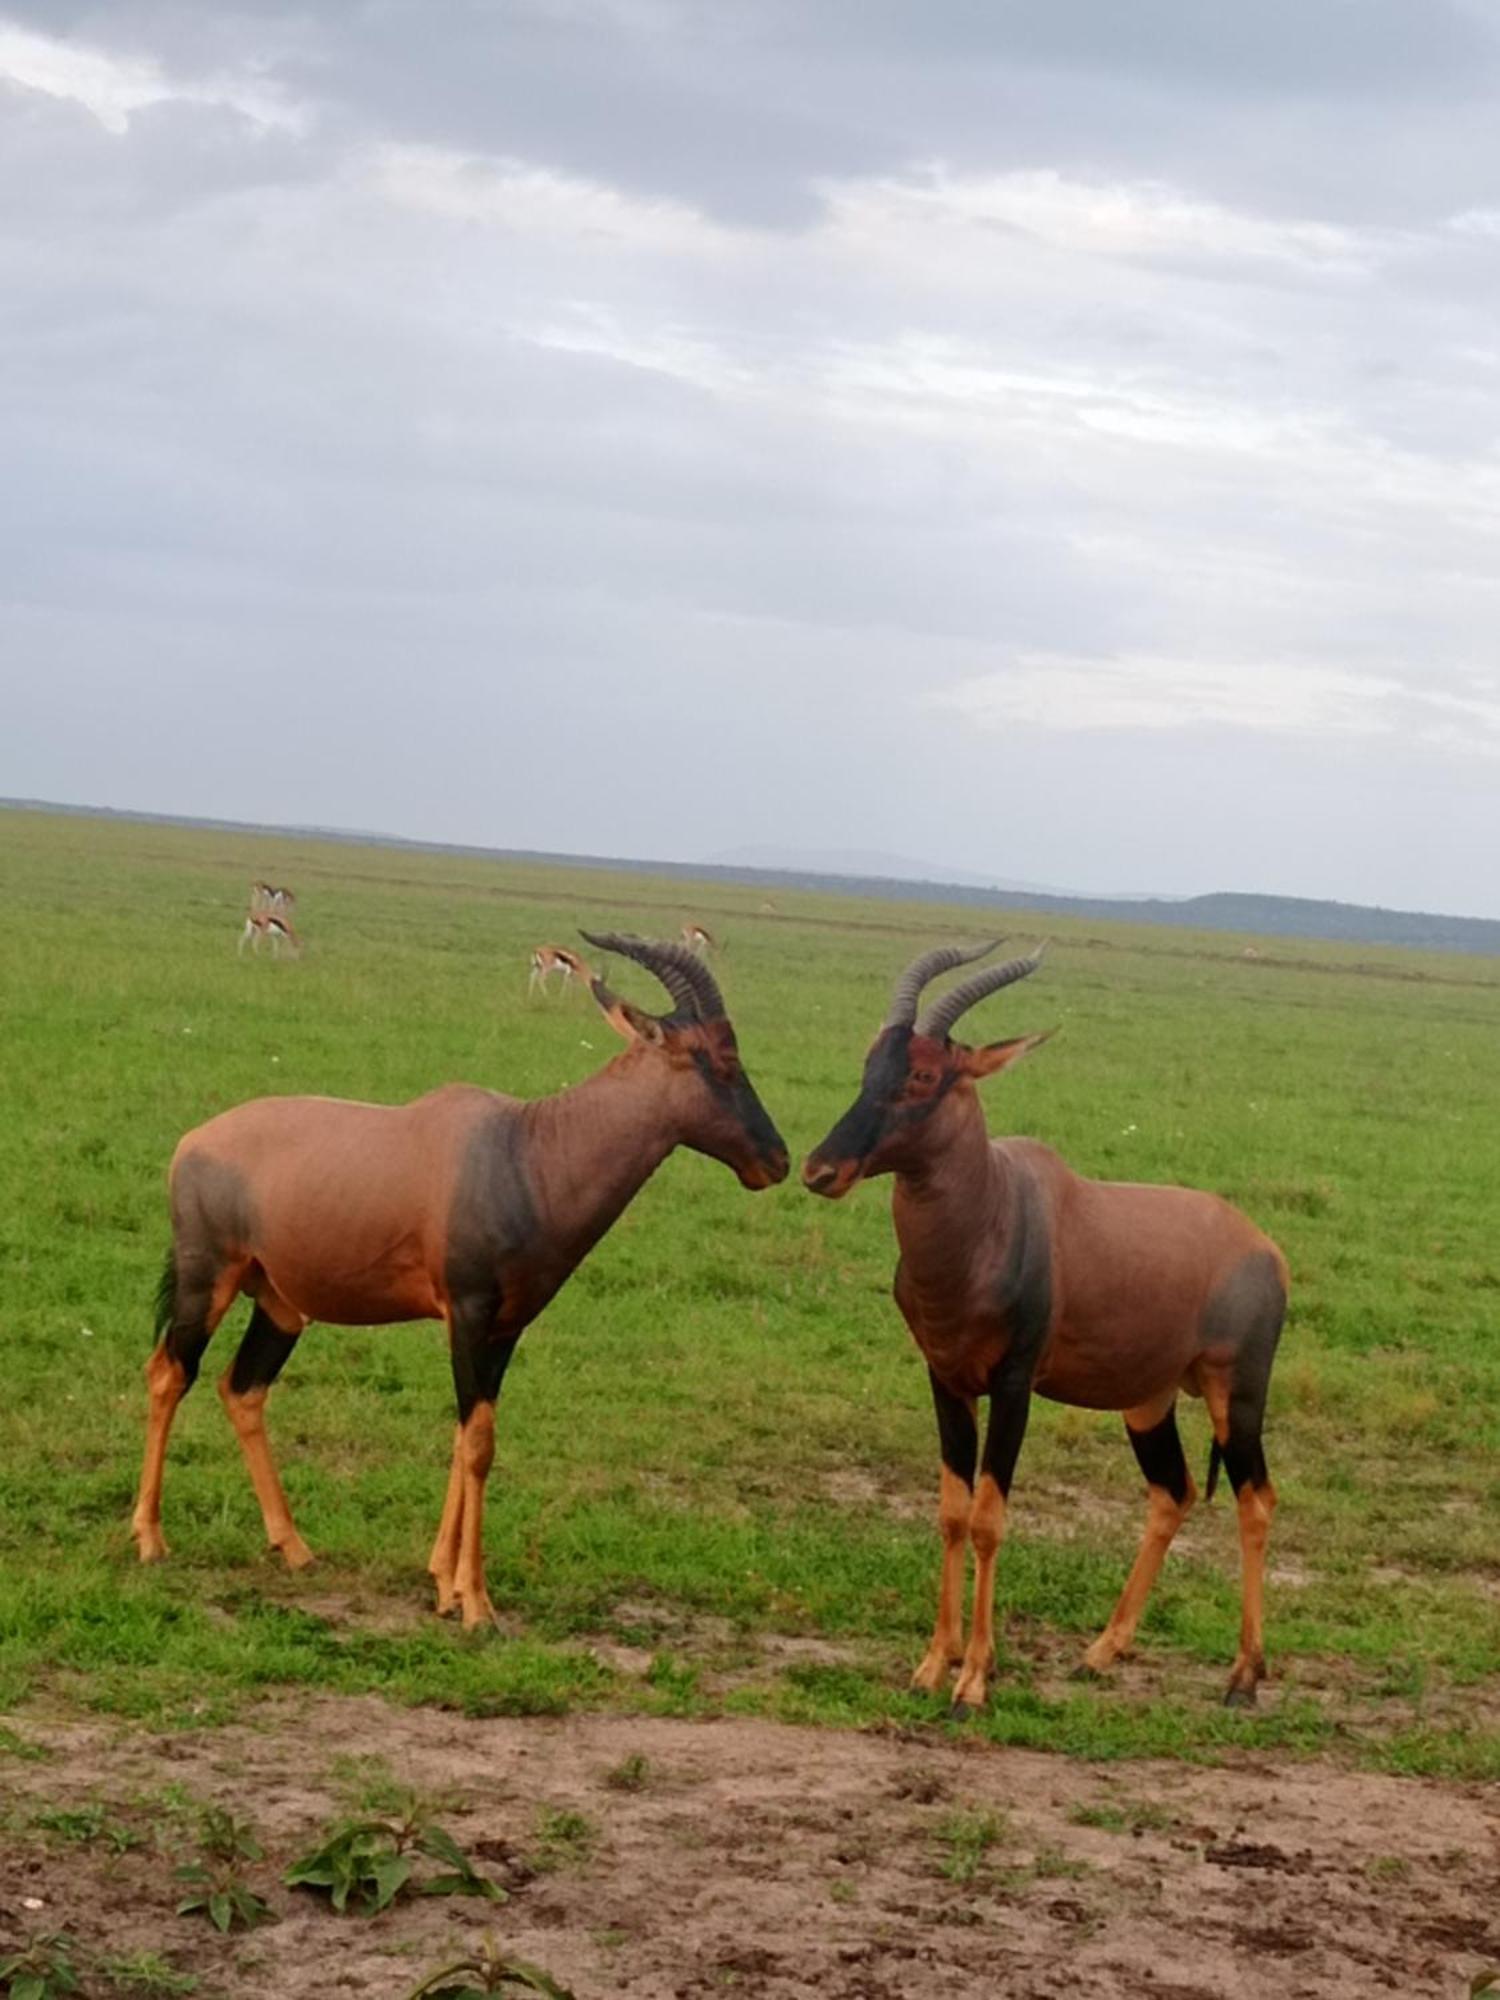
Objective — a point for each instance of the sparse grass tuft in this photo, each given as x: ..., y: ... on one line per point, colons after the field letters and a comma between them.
x: 564, y: 1839
x: 964, y: 1838
x: 631, y: 1774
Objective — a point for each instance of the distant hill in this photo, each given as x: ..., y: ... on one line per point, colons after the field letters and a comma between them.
x: 858, y: 865
x: 1265, y: 916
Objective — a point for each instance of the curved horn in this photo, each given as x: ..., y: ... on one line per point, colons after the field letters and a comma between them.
x: 908, y: 991
x: 689, y: 981
x: 943, y: 1013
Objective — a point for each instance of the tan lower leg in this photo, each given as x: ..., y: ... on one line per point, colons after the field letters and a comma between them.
x: 1164, y: 1517
x: 986, y: 1532
x: 442, y: 1564
x: 478, y: 1442
x: 947, y: 1645
x: 166, y: 1380
x: 1256, y: 1506
x: 248, y: 1415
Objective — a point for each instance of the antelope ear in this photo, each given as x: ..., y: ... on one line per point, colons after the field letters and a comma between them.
x: 1000, y: 1055
x: 631, y: 1023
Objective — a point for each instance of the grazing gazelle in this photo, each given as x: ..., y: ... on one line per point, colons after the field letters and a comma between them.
x: 697, y: 939
x: 550, y: 958
x: 1017, y: 1276
x: 265, y: 924
x: 464, y: 1206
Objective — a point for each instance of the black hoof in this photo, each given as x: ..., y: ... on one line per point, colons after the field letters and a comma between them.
x: 1240, y: 1697
x: 960, y: 1712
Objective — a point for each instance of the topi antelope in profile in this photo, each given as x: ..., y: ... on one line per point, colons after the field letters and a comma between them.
x: 1016, y: 1276
x: 266, y: 924
x: 550, y: 958
x: 464, y: 1205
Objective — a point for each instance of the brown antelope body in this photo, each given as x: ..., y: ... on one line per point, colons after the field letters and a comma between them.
x: 278, y: 930
x: 465, y: 1206
x: 550, y: 958
x: 1018, y: 1276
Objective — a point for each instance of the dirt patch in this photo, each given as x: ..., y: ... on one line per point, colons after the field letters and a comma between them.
x: 786, y: 1863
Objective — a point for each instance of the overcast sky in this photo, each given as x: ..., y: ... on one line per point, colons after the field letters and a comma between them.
x: 1057, y: 441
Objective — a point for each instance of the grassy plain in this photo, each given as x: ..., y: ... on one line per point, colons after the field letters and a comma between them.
x: 716, y: 1476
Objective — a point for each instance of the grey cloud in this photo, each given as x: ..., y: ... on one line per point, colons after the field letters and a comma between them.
x: 760, y: 380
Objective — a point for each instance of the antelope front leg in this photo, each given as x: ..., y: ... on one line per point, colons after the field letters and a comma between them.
x: 442, y: 1564
x: 481, y: 1355
x: 1010, y: 1405
x: 958, y: 1435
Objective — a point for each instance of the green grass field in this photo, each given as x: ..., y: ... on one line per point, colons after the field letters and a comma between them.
x: 716, y: 1448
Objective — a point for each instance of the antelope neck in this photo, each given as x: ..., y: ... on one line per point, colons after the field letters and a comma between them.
x: 592, y: 1147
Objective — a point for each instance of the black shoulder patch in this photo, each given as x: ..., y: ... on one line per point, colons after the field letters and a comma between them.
x: 1023, y: 1292
x: 493, y: 1216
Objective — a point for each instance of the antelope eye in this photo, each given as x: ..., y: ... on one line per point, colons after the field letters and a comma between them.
x: 924, y: 1077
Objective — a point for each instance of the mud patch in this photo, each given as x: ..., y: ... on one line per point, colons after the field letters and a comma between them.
x: 779, y: 1862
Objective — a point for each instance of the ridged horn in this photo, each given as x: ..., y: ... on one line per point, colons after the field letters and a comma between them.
x: 940, y: 1017
x: 692, y: 986
x: 908, y: 989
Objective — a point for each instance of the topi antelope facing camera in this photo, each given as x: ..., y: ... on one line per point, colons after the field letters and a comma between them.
x: 465, y: 1206
x: 1019, y: 1277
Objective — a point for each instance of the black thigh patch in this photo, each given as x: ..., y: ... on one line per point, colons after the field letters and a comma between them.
x: 213, y: 1215
x: 1159, y: 1454
x: 185, y: 1345
x: 261, y: 1356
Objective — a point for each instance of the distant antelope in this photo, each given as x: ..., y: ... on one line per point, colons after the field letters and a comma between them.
x: 550, y: 958
x: 1018, y: 1276
x: 464, y: 1205
x: 697, y: 939
x: 267, y: 896
x: 264, y: 924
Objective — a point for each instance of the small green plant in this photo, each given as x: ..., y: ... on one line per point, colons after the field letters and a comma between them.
x: 146, y: 1973
x: 370, y: 1862
x: 44, y: 1970
x: 487, y: 1970
x: 1387, y: 1867
x: 216, y: 1879
x: 966, y: 1837
x: 565, y: 1839
x: 631, y: 1774
x: 87, y: 1825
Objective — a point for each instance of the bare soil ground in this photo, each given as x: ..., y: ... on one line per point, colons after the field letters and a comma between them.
x: 774, y: 1861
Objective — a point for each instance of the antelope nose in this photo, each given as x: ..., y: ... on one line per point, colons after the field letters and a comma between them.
x: 818, y: 1176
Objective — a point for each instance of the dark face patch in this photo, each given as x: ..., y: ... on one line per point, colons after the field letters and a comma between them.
x: 740, y: 1132
x: 906, y: 1077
